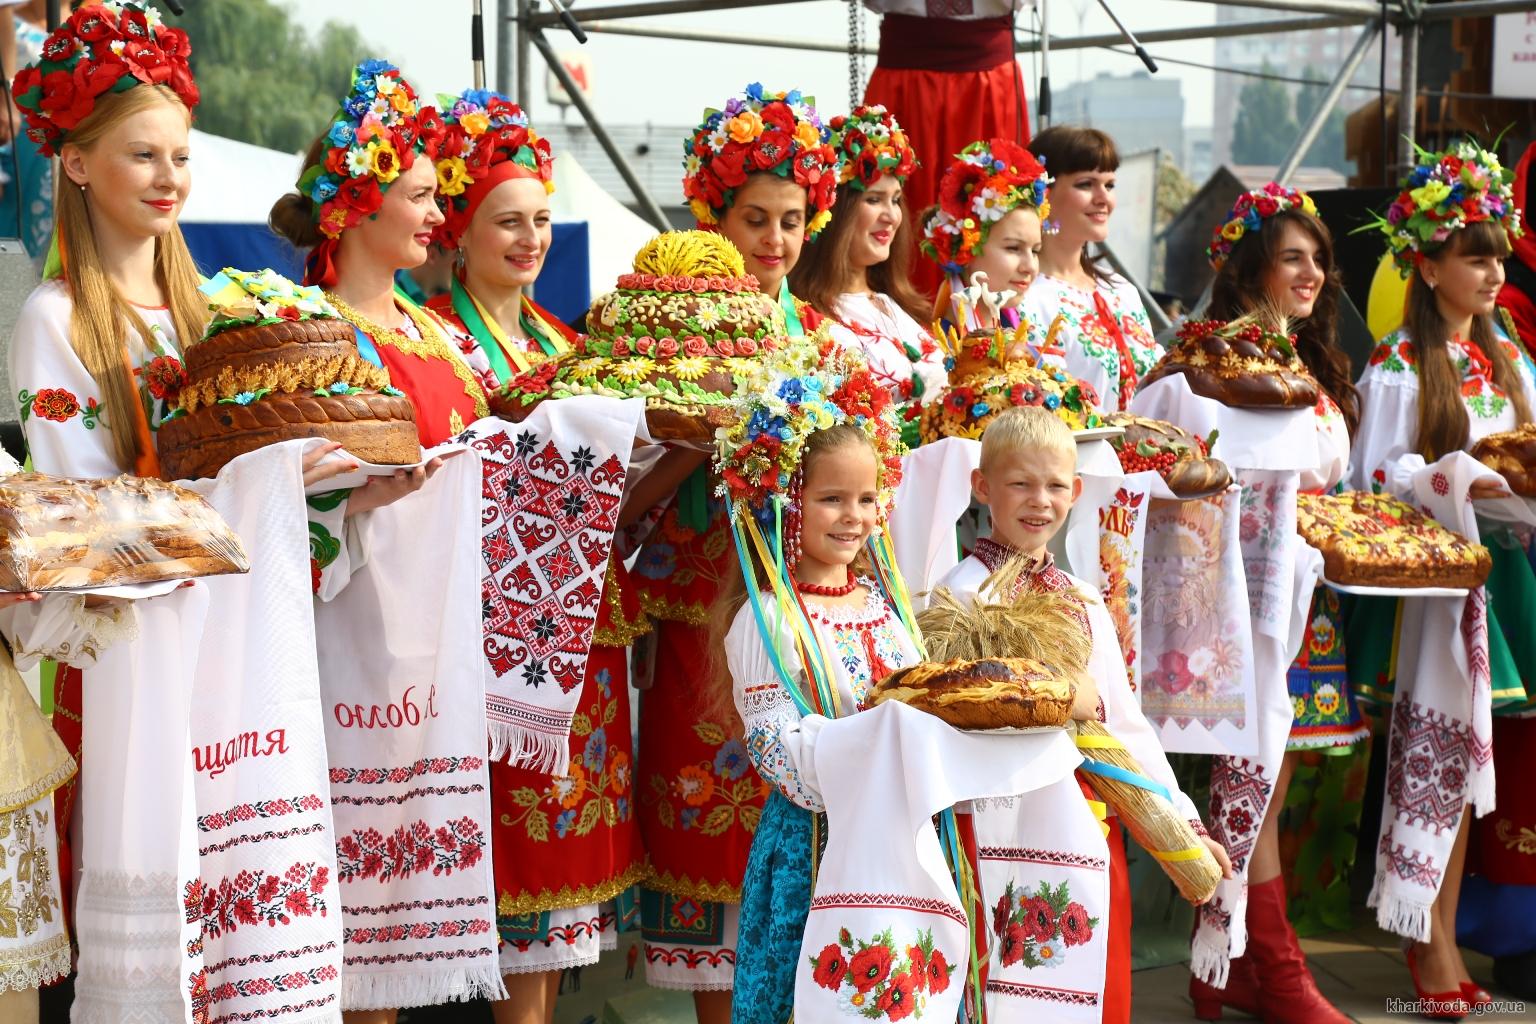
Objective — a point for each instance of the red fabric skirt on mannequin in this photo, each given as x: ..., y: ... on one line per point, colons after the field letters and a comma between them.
x: 949, y: 83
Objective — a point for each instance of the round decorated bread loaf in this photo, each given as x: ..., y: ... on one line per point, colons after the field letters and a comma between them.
x: 1181, y: 459
x: 1511, y: 454
x: 1240, y: 364
x: 992, y: 693
x: 278, y: 364
x: 994, y: 370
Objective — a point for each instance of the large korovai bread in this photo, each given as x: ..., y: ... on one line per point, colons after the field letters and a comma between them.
x: 278, y: 363
x: 1379, y: 541
x: 990, y: 693
x: 1239, y: 363
x: 1511, y: 454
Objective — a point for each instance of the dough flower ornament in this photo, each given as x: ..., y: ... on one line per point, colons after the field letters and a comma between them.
x: 105, y: 48
x: 1249, y: 213
x: 487, y: 140
x: 1447, y: 191
x: 987, y: 181
x: 376, y: 133
x: 871, y: 145
x: 774, y: 132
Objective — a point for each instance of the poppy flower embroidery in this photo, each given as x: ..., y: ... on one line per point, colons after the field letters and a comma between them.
x: 872, y: 981
x: 1035, y: 928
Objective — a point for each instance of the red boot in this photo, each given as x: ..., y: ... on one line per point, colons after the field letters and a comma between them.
x: 1289, y: 994
x: 1241, y: 993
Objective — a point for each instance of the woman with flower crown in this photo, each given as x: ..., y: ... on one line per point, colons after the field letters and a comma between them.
x: 822, y: 449
x: 760, y: 172
x: 1273, y: 256
x: 555, y: 889
x: 856, y: 271
x: 1092, y: 314
x: 1431, y: 389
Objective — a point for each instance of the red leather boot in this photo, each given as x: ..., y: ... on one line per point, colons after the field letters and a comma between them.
x: 1241, y: 993
x: 1289, y: 995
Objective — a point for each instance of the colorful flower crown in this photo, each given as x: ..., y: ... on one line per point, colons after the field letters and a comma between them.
x: 1249, y: 213
x: 871, y: 144
x: 806, y: 387
x: 376, y: 134
x: 987, y: 181
x: 108, y: 47
x: 1444, y: 193
x: 483, y: 129
x: 779, y: 133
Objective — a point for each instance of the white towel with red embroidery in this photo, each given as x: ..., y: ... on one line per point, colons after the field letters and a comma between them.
x: 261, y: 929
x: 886, y: 937
x: 1440, y: 752
x: 550, y: 507
x: 401, y: 671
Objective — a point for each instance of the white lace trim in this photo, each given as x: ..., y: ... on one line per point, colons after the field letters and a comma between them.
x: 767, y: 699
x: 34, y: 966
x: 871, y: 611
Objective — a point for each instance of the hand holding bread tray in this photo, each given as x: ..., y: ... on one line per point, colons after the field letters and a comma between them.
x: 59, y: 534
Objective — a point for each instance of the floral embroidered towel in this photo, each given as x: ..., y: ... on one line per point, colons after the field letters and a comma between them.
x: 1045, y: 884
x: 401, y: 672
x: 1440, y: 751
x: 886, y: 937
x: 549, y: 509
x: 261, y: 928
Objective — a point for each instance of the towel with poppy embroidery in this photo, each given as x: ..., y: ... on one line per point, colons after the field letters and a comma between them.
x: 549, y: 510
x: 401, y: 674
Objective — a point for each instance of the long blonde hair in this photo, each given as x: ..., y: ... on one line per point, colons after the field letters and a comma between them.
x: 99, y: 312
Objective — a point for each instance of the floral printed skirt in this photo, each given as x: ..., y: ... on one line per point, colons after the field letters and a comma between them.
x: 1325, y: 711
x: 561, y: 844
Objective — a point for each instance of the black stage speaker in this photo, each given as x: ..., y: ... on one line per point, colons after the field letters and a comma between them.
x: 1346, y: 211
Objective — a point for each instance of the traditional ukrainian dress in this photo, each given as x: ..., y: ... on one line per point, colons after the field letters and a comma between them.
x: 901, y: 353
x: 863, y: 645
x: 1104, y: 334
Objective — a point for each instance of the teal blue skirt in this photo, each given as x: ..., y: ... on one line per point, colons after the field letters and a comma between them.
x: 775, y: 901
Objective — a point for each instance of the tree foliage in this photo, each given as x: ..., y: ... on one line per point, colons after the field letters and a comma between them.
x: 266, y: 79
x: 1265, y: 126
x: 1328, y: 149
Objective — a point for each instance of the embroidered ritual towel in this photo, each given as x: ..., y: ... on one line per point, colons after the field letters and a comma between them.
x: 886, y: 937
x: 934, y: 492
x: 550, y: 503
x: 261, y: 932
x: 401, y: 675
x: 1045, y: 884
x: 135, y: 824
x: 1440, y: 754
x: 1105, y: 544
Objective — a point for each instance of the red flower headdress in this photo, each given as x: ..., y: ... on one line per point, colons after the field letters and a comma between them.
x: 778, y: 133
x: 1249, y: 213
x: 987, y: 181
x: 107, y: 47
x: 871, y: 145
x: 488, y: 140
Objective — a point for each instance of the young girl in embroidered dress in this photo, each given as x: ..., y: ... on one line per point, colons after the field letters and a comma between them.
x: 819, y: 449
x: 762, y: 173
x: 1272, y: 255
x: 857, y: 270
x: 1432, y: 389
x: 1093, y: 314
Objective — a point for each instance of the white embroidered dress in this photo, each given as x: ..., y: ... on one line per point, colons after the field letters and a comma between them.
x: 887, y: 335
x: 1081, y: 321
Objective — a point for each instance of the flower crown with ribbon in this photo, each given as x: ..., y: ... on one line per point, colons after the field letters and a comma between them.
x: 988, y: 180
x: 1249, y: 213
x: 107, y: 47
x: 773, y: 132
x: 376, y: 134
x: 870, y: 145
x: 488, y: 140
x: 1444, y: 193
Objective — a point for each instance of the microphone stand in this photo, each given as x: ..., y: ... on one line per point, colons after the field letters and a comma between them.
x: 1141, y: 52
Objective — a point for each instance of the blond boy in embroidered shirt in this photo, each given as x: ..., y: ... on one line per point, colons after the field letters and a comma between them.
x: 1028, y: 479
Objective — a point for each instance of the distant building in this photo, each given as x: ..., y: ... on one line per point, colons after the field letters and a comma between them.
x: 1197, y: 163
x: 655, y: 152
x: 1288, y: 53
x: 1139, y: 111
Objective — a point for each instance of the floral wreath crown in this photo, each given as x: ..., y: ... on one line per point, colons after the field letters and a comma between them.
x: 1249, y: 213
x: 376, y: 134
x: 1444, y: 193
x: 988, y: 180
x: 104, y: 48
x: 482, y: 130
x: 778, y: 133
x: 871, y: 144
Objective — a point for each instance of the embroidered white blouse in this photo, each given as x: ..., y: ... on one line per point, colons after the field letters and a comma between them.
x: 1332, y: 448
x: 1387, y: 442
x: 884, y: 332
x: 779, y: 741
x: 1089, y: 349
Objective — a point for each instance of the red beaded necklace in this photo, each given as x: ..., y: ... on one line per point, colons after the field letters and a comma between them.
x: 818, y: 590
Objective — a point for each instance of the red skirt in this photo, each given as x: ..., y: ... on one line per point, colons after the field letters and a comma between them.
x: 949, y: 83
x: 571, y: 840
x: 1502, y: 849
x: 700, y: 797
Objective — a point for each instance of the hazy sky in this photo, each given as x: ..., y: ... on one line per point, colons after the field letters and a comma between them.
x: 670, y: 82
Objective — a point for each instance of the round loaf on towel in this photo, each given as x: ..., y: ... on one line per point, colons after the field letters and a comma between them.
x: 993, y: 693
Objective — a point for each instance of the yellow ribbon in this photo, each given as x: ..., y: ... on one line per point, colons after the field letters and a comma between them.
x: 1097, y: 742
x: 1193, y: 853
